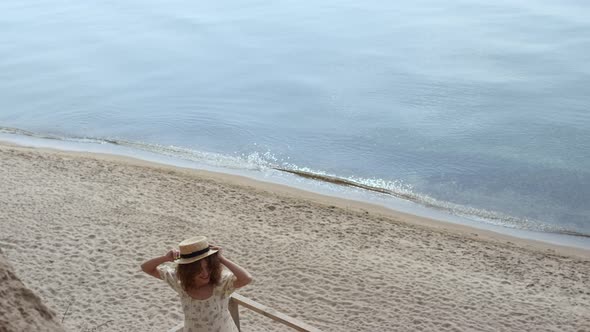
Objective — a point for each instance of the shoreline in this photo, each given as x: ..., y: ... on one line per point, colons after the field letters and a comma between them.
x: 464, y: 229
x: 327, y: 185
x: 337, y: 265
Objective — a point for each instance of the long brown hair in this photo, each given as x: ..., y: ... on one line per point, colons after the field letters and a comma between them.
x: 187, y: 272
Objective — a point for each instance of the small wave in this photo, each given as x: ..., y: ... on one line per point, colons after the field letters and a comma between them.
x: 15, y: 131
x: 254, y: 161
x: 404, y: 192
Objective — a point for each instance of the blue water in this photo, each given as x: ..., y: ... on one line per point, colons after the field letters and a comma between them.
x: 475, y: 109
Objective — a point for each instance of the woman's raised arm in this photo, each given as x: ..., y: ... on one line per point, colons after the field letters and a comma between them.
x: 243, y: 277
x: 150, y: 267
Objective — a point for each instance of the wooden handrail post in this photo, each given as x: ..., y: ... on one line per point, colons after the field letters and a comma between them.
x: 234, y: 312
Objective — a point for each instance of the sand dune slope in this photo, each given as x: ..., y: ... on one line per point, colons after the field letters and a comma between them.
x: 20, y: 308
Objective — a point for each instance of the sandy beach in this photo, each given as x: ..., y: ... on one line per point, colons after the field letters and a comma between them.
x: 75, y: 227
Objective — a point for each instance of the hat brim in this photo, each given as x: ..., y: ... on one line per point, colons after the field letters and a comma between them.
x: 196, y: 258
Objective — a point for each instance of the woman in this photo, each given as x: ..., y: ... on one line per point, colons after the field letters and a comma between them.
x: 203, y: 284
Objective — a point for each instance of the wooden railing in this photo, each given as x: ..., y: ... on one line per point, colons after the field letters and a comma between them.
x: 237, y: 300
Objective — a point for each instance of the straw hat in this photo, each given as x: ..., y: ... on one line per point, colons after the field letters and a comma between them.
x: 193, y: 249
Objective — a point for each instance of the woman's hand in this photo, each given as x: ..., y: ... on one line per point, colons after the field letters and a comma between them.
x: 218, y: 248
x: 172, y: 255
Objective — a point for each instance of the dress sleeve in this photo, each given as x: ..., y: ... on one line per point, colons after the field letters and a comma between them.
x: 168, y: 274
x: 227, y: 283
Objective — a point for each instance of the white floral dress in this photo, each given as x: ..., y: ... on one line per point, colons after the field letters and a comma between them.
x: 209, y: 315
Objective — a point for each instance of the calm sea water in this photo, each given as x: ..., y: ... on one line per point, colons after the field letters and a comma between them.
x: 469, y: 107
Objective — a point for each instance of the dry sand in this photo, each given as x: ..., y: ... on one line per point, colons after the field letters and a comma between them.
x: 77, y: 226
